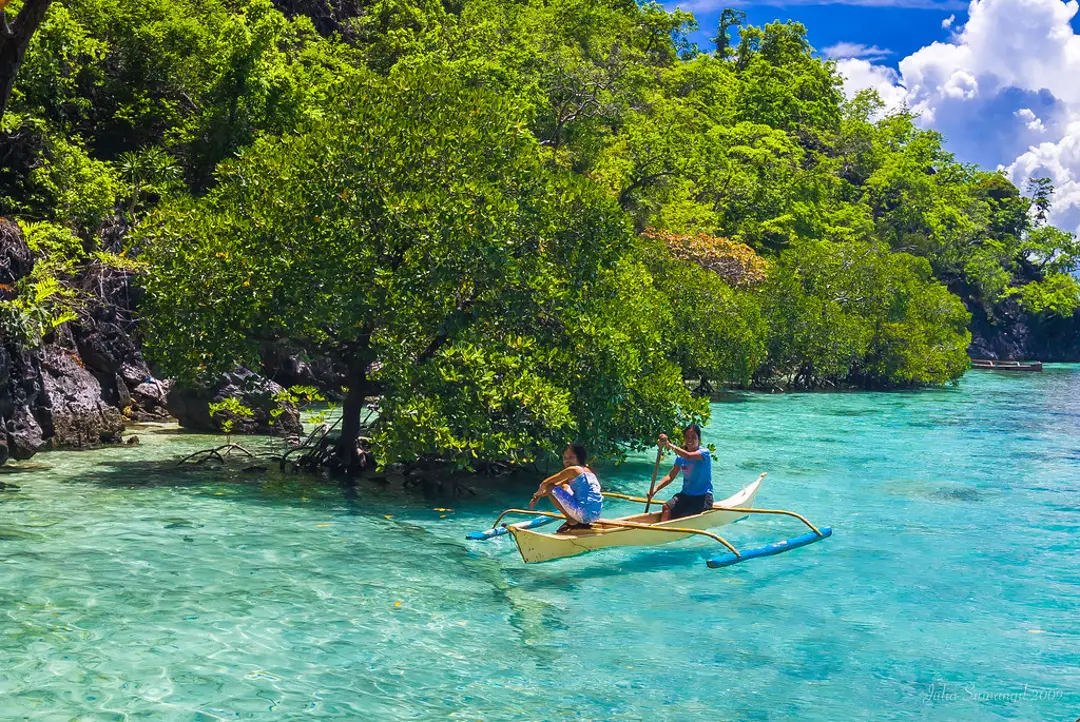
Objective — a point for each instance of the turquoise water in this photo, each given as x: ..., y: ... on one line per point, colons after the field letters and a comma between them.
x: 950, y: 591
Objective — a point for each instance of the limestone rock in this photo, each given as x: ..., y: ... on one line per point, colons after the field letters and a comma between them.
x: 191, y: 406
x: 73, y: 404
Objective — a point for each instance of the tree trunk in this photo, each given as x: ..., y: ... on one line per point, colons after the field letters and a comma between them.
x: 351, y: 458
x: 14, y: 39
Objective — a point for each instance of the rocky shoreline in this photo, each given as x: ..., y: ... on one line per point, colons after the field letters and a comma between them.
x: 1019, y: 336
x: 88, y: 379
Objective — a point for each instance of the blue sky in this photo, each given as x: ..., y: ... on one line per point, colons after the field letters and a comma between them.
x: 999, y: 78
x: 898, y: 26
x: 900, y: 30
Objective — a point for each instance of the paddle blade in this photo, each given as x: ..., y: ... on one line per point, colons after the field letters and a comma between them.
x: 767, y: 551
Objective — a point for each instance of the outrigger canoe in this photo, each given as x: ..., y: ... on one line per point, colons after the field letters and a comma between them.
x: 646, y: 530
x: 995, y: 365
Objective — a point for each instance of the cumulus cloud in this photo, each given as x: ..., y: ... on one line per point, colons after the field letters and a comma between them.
x: 1032, y: 121
x: 1007, y: 48
x: 856, y: 50
x: 1060, y: 161
x: 947, y: 22
x: 861, y: 74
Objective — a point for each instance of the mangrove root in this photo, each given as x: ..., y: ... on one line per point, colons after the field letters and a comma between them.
x: 219, y: 453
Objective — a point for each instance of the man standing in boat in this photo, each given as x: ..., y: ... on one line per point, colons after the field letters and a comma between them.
x: 696, y: 466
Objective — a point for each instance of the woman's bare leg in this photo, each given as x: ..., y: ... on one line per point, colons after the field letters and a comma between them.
x: 555, y: 501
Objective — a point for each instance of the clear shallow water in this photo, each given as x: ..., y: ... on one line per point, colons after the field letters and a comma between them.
x: 950, y: 591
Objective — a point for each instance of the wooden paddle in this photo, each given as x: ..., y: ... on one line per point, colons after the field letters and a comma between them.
x: 655, y: 470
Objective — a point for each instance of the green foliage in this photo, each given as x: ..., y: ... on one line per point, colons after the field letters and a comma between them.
x: 855, y: 311
x: 49, y: 297
x: 149, y: 175
x: 72, y: 187
x: 499, y: 406
x: 1049, y: 250
x: 227, y: 411
x: 715, y: 333
x: 43, y: 304
x: 43, y: 301
x: 298, y: 397
x: 392, y: 30
x: 195, y: 79
x: 64, y: 56
x: 1058, y: 294
x: 443, y: 198
x: 383, y: 235
x: 54, y: 246
x: 61, y: 254
x: 784, y: 85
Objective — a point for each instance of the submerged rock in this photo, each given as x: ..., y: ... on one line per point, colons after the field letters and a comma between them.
x: 963, y: 493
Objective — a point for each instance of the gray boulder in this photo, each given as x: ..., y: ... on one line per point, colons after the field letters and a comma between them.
x: 73, y: 405
x: 191, y: 406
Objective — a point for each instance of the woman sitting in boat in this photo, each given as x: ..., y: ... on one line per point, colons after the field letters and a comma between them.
x: 574, y: 491
x: 696, y: 466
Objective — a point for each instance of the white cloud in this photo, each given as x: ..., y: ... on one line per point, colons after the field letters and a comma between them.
x: 1032, y: 121
x: 1006, y: 43
x: 856, y: 50
x: 1020, y: 47
x: 947, y: 22
x: 1060, y: 161
x: 861, y: 74
x: 961, y: 85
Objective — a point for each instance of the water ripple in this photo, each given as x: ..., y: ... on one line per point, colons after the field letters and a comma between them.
x: 130, y: 589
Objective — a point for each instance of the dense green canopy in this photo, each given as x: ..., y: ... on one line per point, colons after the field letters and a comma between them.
x: 451, y: 199
x: 417, y: 229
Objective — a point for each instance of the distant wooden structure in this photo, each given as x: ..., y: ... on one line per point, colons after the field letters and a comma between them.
x: 994, y: 365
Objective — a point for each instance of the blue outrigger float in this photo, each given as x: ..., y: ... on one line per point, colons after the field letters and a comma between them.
x: 646, y: 530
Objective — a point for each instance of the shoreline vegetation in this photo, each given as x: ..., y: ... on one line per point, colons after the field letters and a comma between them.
x: 511, y: 224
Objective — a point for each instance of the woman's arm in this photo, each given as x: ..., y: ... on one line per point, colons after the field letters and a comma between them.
x: 551, y: 482
x: 690, y: 455
x: 666, y: 480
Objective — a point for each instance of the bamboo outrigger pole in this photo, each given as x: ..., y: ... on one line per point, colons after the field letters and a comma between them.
x: 540, y: 518
x: 527, y: 512
x: 673, y: 529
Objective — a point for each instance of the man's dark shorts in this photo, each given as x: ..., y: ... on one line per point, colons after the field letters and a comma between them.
x: 684, y: 505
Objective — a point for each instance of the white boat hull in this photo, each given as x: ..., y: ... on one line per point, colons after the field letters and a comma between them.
x: 537, y: 546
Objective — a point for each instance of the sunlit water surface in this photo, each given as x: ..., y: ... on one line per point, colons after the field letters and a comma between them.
x: 950, y: 591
